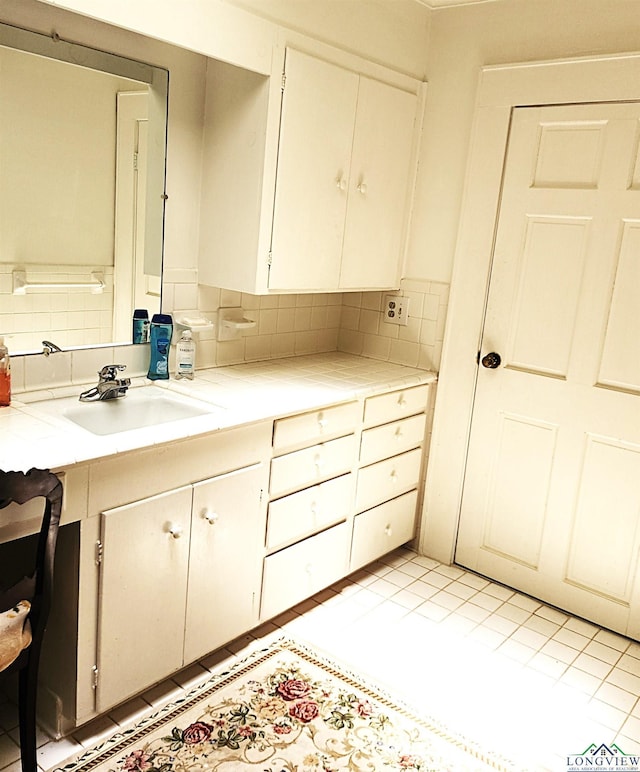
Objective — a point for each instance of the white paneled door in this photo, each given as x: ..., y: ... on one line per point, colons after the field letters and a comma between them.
x: 551, y: 501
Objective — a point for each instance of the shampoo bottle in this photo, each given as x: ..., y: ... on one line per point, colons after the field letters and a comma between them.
x: 185, y: 356
x: 160, y: 333
x: 140, y: 333
x: 5, y: 375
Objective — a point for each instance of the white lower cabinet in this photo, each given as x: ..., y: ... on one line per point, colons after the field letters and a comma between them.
x: 189, y: 545
x: 180, y: 576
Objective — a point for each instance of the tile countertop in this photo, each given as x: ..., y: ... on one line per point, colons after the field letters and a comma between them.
x: 33, y: 435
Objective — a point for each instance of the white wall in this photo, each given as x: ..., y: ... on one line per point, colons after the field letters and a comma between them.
x: 464, y: 39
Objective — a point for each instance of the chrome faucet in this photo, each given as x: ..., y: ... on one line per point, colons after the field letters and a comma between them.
x: 109, y: 387
x: 48, y: 347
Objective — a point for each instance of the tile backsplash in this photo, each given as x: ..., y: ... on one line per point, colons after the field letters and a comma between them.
x: 72, y: 316
x: 286, y: 325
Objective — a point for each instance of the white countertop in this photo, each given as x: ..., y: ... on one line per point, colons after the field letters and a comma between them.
x: 35, y: 433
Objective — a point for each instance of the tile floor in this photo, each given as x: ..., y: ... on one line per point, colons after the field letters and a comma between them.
x: 533, y: 683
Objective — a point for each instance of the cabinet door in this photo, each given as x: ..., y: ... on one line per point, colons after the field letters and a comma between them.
x: 143, y: 585
x: 379, y: 186
x: 316, y: 133
x: 225, y: 564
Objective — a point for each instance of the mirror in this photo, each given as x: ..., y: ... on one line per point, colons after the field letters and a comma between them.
x: 82, y: 191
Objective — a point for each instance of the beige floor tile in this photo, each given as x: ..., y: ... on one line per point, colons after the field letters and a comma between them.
x: 617, y: 697
x: 541, y: 625
x: 514, y: 613
x: 548, y: 665
x: 578, y: 679
x: 436, y: 579
x: 486, y: 601
x: 591, y: 665
x: 571, y: 638
x: 605, y: 714
x: 581, y: 626
x: 529, y: 638
x: 605, y: 653
x: 473, y: 612
x: 560, y: 651
x: 552, y: 614
x: 501, y: 624
x: 398, y: 578
x: 498, y: 591
x: 625, y: 680
x: 472, y: 580
x: 629, y: 663
x: 613, y: 640
x: 444, y: 598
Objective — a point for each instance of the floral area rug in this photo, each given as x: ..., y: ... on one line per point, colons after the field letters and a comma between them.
x: 284, y: 708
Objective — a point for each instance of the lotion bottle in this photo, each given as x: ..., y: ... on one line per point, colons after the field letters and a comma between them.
x: 5, y: 375
x: 185, y: 356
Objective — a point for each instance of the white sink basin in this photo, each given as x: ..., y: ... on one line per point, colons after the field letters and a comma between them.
x: 140, y: 408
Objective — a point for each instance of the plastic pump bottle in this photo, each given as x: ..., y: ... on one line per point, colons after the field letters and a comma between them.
x: 185, y: 356
x: 5, y: 375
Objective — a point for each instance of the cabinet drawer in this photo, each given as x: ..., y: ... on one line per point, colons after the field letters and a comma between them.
x: 387, y: 479
x: 308, y: 511
x: 309, y: 428
x: 311, y: 465
x: 395, y: 404
x: 303, y: 569
x: 390, y: 439
x: 382, y: 529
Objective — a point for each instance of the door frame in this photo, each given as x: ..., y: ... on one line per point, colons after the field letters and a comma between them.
x: 613, y: 78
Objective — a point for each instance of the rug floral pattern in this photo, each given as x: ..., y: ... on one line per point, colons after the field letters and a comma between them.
x: 285, y: 710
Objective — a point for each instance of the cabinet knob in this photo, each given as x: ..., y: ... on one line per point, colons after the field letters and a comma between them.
x: 393, y: 476
x: 175, y: 530
x: 387, y: 530
x: 211, y: 517
x: 362, y: 188
x: 398, y: 433
x: 401, y: 400
x: 318, y: 462
x: 309, y: 569
x: 322, y: 421
x: 341, y: 183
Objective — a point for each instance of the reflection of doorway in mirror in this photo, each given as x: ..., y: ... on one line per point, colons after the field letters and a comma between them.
x: 132, y: 287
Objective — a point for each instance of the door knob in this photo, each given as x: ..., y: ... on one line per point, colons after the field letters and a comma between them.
x: 491, y: 360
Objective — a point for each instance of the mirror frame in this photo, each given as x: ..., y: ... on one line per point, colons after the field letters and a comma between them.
x: 157, y: 79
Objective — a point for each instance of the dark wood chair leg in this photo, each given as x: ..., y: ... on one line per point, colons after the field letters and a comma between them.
x: 27, y: 688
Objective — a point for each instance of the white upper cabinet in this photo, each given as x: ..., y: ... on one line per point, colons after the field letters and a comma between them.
x: 313, y: 178
x: 308, y: 175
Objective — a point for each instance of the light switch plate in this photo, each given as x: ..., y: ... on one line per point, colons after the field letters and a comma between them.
x: 396, y: 310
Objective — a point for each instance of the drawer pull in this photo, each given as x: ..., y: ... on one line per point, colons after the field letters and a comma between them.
x: 175, y: 530
x: 393, y: 476
x: 398, y: 433
x: 211, y: 517
x: 309, y: 569
x: 318, y: 462
x: 402, y: 400
x: 388, y: 530
x: 322, y: 421
x: 314, y: 510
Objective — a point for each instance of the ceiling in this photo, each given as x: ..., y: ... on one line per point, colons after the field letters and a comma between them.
x: 450, y: 3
